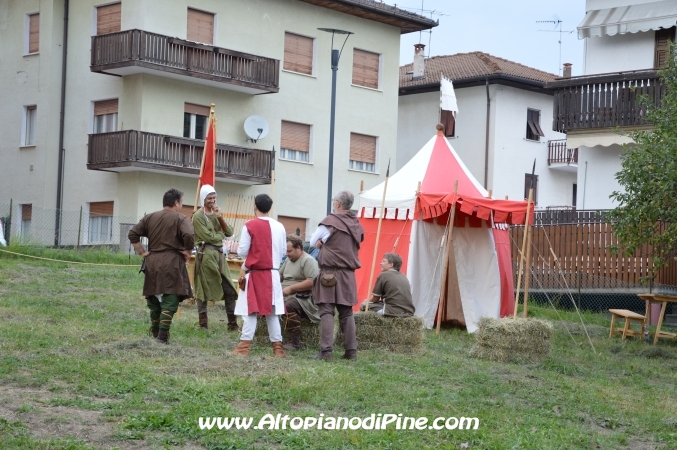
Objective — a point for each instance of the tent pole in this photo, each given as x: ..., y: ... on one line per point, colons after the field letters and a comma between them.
x: 443, y: 296
x: 524, y: 243
x: 378, y: 235
x: 527, y: 265
x: 361, y: 186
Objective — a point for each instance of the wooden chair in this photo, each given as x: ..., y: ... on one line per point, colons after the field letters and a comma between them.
x: 629, y: 316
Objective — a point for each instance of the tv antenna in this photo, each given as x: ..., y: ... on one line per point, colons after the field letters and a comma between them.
x: 557, y: 29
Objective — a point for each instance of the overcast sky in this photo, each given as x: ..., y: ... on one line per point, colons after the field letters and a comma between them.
x: 506, y: 29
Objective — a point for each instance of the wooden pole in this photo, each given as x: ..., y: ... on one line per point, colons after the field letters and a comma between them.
x: 521, y: 263
x: 202, y: 163
x: 378, y: 235
x: 272, y: 183
x: 361, y: 186
x: 527, y: 265
x: 447, y: 250
x: 489, y: 193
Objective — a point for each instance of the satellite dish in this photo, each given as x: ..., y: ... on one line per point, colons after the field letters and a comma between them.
x: 256, y: 128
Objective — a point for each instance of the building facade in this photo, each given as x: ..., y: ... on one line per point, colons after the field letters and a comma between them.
x: 140, y: 76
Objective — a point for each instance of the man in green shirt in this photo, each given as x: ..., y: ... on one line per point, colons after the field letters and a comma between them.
x: 296, y: 274
x: 392, y: 293
x: 212, y: 275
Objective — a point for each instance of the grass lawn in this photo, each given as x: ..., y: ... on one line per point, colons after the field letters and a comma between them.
x: 78, y: 371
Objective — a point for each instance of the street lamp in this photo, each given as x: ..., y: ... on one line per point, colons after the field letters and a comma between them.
x: 335, y: 56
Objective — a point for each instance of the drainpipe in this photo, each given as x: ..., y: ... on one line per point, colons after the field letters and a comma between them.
x: 486, y: 139
x: 59, y: 182
x: 585, y: 182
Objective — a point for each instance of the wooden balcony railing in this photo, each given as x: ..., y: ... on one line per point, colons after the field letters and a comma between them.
x: 604, y: 101
x: 136, y: 51
x: 138, y: 150
x: 559, y: 153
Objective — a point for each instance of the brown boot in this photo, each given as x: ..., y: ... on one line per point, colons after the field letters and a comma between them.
x: 242, y: 348
x: 232, y: 323
x: 153, y: 332
x: 163, y: 336
x: 203, y: 321
x: 294, y: 328
x: 324, y: 356
x: 278, y: 351
x: 350, y: 354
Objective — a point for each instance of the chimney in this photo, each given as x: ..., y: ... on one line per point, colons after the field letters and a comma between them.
x: 566, y: 72
x: 419, y: 64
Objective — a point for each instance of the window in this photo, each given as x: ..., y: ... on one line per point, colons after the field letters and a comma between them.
x: 449, y: 121
x: 293, y: 225
x: 366, y: 68
x: 298, y: 53
x: 28, y: 135
x: 106, y: 116
x: 108, y: 19
x: 663, y: 38
x: 295, y: 141
x: 33, y: 41
x: 362, y: 152
x: 575, y: 191
x: 195, y: 118
x: 527, y: 185
x: 26, y: 216
x: 534, y: 125
x: 100, y: 222
x: 200, y: 26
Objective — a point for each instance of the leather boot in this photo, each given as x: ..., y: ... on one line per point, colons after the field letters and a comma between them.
x: 350, y: 354
x: 242, y: 348
x: 153, y: 332
x: 294, y: 328
x: 232, y: 322
x: 278, y: 351
x: 203, y: 321
x: 324, y: 356
x: 163, y: 336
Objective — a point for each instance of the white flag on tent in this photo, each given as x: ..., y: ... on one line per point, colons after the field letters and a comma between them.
x: 2, y: 235
x: 448, y: 96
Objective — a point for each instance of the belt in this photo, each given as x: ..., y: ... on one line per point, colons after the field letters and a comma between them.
x: 337, y: 268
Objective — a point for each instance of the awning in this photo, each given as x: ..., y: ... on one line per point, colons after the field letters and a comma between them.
x: 628, y: 19
x: 603, y: 139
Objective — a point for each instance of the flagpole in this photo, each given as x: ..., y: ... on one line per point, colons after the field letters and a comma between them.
x: 378, y: 235
x: 204, y: 152
x: 272, y: 183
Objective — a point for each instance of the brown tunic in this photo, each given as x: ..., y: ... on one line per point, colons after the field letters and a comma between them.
x: 393, y: 287
x: 168, y: 233
x: 339, y: 255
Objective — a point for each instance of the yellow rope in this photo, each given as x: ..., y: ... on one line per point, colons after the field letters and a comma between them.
x: 69, y: 262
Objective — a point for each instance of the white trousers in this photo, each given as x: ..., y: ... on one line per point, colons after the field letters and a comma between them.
x: 249, y: 327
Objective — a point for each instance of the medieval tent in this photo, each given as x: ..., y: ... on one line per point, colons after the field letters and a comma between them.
x: 479, y: 281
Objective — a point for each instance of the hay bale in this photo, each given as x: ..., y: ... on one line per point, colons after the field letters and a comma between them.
x: 512, y: 340
x: 310, y: 333
x: 395, y: 334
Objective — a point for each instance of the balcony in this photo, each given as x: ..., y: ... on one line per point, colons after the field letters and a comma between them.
x: 134, y: 51
x: 129, y: 150
x: 562, y: 158
x: 604, y: 101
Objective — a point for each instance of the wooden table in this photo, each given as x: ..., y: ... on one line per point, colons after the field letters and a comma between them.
x: 663, y: 300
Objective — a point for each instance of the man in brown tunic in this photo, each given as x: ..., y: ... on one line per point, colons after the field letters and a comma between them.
x: 338, y: 237
x: 391, y: 296
x: 170, y: 244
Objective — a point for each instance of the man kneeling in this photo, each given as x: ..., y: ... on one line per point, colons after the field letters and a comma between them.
x: 392, y: 294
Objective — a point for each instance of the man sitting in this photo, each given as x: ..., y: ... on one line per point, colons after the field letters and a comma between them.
x: 392, y: 294
x: 297, y: 274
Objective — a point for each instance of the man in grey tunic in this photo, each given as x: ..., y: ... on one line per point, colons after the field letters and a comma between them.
x: 338, y: 237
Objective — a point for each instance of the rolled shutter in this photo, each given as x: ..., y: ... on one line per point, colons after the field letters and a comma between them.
x: 298, y: 53
x: 295, y: 136
x: 291, y: 224
x: 34, y: 33
x: 200, y: 26
x: 98, y: 209
x: 26, y: 212
x: 362, y: 148
x: 365, y: 68
x: 108, y: 18
x: 106, y: 107
x: 191, y: 108
x: 187, y: 210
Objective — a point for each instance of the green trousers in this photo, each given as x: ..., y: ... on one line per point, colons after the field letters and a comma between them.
x: 162, y: 312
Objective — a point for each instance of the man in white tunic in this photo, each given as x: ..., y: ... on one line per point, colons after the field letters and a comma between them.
x: 262, y: 243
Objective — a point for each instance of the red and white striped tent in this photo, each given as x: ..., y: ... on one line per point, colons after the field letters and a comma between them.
x: 479, y: 281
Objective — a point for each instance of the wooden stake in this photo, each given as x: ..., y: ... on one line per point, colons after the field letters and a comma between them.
x: 489, y: 193
x: 524, y: 243
x: 527, y: 265
x: 378, y: 235
x: 447, y: 250
x: 361, y: 186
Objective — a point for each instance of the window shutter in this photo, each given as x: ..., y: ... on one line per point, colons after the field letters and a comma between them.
x: 298, y: 53
x: 191, y: 108
x: 365, y: 68
x: 663, y: 38
x: 34, y: 33
x: 291, y: 224
x: 449, y: 121
x: 26, y: 212
x: 536, y: 117
x: 108, y: 18
x: 200, y: 26
x: 106, y: 107
x: 295, y: 136
x: 98, y: 209
x: 362, y: 148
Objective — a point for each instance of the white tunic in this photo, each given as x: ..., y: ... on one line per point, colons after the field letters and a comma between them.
x: 279, y: 241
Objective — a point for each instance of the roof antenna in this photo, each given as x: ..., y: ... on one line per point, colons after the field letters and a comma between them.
x: 557, y: 29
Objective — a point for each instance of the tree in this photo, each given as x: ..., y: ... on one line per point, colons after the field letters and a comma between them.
x: 646, y: 214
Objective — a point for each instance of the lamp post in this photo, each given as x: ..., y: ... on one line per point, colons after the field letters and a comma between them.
x: 335, y: 56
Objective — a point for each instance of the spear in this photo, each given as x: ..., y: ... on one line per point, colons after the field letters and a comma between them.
x: 378, y: 235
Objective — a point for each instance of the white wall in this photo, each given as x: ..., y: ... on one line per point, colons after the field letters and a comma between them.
x: 619, y: 53
x: 602, y: 165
